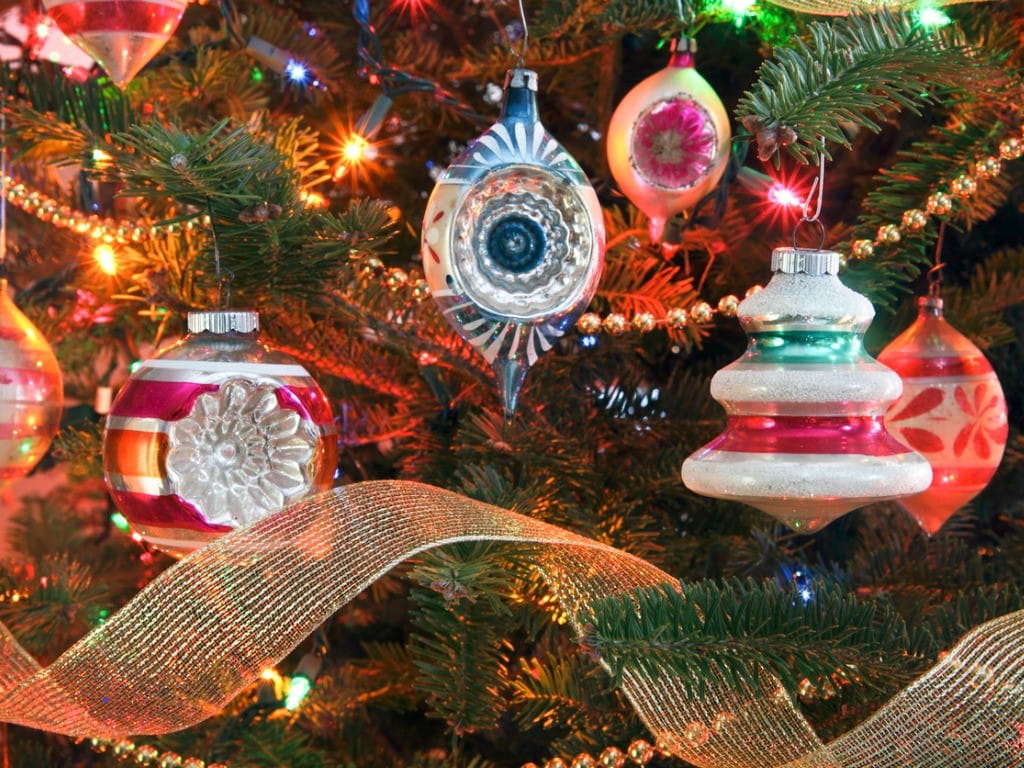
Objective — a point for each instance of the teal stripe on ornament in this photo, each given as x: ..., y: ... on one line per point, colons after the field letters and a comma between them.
x: 821, y: 347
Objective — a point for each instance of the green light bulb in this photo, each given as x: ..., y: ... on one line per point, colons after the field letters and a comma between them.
x: 298, y: 689
x: 932, y: 17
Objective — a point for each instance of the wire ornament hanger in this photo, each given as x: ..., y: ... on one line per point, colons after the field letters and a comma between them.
x: 815, y: 197
x: 521, y: 53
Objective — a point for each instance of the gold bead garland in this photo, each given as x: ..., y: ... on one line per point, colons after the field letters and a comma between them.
x: 103, y: 229
x: 639, y: 752
x: 676, y: 318
x: 108, y: 230
x: 393, y: 278
x: 940, y: 202
x: 147, y: 754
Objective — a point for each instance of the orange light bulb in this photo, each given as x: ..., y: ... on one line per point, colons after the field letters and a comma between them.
x: 105, y: 258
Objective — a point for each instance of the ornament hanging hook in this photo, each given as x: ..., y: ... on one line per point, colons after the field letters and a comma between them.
x: 935, y: 273
x: 521, y: 53
x: 223, y: 280
x: 816, y: 196
x: 818, y: 185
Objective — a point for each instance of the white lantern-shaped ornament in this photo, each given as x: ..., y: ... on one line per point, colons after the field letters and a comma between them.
x: 805, y: 440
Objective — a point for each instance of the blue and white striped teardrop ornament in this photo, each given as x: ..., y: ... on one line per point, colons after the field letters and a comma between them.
x: 513, y: 240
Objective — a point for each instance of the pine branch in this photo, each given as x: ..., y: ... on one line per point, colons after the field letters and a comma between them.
x: 63, y: 121
x: 570, y: 696
x: 853, y: 70
x: 737, y: 631
x: 978, y: 309
x: 270, y: 744
x: 58, y: 605
x: 214, y: 83
x: 590, y: 17
x: 458, y: 646
x: 251, y: 189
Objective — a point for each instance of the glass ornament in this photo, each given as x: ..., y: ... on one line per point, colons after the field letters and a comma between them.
x: 804, y: 439
x: 122, y: 35
x: 31, y: 392
x: 513, y: 240
x: 952, y: 411
x: 214, y: 433
x: 668, y: 140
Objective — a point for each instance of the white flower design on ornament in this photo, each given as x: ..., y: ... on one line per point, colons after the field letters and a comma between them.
x: 239, y: 455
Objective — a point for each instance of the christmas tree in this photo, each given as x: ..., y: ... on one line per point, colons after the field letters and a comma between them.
x: 498, y: 353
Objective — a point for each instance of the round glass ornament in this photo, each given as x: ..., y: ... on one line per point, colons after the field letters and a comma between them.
x: 804, y: 439
x: 513, y: 240
x: 214, y: 433
x: 952, y: 411
x: 31, y: 392
x: 668, y: 140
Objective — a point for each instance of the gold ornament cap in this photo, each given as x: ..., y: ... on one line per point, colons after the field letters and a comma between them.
x: 805, y: 261
x: 224, y: 321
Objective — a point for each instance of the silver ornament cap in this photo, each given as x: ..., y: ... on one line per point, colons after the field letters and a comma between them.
x: 224, y: 321
x: 519, y: 77
x: 805, y: 261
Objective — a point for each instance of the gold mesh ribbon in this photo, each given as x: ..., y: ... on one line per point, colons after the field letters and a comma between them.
x: 205, y: 628
x: 846, y: 7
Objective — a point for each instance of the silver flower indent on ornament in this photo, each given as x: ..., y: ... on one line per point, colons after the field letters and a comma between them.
x: 521, y: 243
x: 239, y: 455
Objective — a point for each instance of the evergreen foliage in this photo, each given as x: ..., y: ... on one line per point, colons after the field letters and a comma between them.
x: 463, y: 658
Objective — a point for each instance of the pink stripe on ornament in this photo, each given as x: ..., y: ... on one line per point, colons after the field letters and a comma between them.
x: 29, y: 378
x: 167, y: 400
x: 862, y: 435
x: 166, y: 512
x: 117, y: 16
x: 912, y: 367
x: 309, y: 402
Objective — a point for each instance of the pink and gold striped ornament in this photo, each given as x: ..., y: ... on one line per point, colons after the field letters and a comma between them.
x: 952, y: 411
x: 804, y: 439
x: 31, y: 392
x: 122, y: 35
x: 214, y: 433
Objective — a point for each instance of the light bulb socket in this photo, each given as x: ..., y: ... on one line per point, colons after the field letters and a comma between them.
x: 370, y: 122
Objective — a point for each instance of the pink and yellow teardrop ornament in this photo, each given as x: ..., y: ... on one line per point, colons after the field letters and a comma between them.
x: 952, y: 411
x: 668, y: 140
